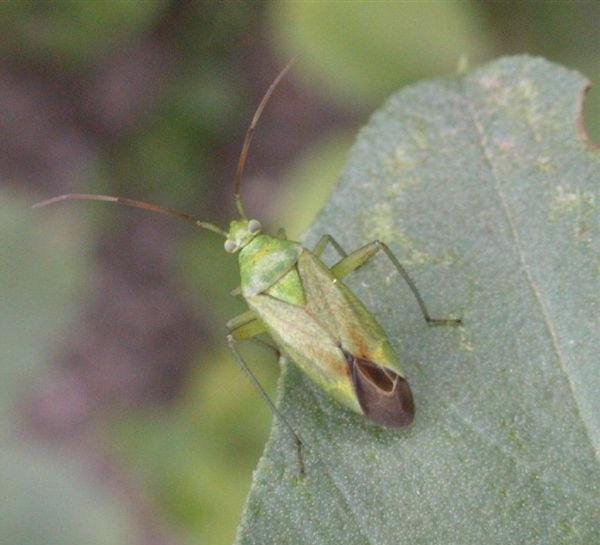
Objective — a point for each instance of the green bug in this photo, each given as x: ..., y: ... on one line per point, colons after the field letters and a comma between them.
x: 305, y: 308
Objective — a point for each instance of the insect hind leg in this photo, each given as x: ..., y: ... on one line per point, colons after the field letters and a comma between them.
x: 322, y: 245
x: 249, y: 331
x: 363, y: 255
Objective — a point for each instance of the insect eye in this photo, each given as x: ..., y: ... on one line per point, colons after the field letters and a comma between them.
x: 254, y: 226
x: 230, y: 246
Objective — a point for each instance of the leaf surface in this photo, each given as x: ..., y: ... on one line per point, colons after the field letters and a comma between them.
x: 487, y: 191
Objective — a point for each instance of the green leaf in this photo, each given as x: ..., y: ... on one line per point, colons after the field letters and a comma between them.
x: 488, y: 192
x: 360, y: 52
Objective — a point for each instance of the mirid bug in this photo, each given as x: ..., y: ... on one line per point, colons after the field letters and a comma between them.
x: 305, y: 309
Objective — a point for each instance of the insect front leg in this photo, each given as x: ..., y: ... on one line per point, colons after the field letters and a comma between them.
x: 243, y: 319
x: 324, y: 241
x: 248, y: 328
x: 236, y: 292
x: 363, y: 255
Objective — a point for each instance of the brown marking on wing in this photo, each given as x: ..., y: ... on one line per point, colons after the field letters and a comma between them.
x: 384, y: 396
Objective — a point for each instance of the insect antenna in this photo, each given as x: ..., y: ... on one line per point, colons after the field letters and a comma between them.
x: 134, y: 204
x: 248, y: 138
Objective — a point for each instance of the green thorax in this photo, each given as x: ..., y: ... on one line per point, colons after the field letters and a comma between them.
x: 268, y: 264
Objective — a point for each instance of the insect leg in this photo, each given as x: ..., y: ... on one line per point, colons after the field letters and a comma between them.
x: 249, y: 331
x: 363, y: 255
x: 236, y: 292
x: 243, y: 329
x: 241, y: 319
x: 324, y: 241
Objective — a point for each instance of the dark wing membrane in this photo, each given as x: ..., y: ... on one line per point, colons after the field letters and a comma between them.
x: 383, y: 395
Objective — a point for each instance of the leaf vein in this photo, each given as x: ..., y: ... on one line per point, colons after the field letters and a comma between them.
x: 497, y: 186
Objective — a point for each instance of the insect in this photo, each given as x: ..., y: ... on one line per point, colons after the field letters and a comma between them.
x: 304, y: 308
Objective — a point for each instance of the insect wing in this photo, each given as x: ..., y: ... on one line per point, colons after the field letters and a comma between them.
x: 343, y: 315
x: 384, y: 396
x: 308, y: 344
x: 339, y: 344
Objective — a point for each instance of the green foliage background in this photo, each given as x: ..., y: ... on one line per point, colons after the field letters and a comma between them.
x: 190, y: 460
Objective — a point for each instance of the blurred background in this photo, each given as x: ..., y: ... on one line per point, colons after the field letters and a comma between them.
x: 123, y: 419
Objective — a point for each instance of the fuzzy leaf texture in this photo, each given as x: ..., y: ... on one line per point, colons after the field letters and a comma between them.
x: 486, y: 188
